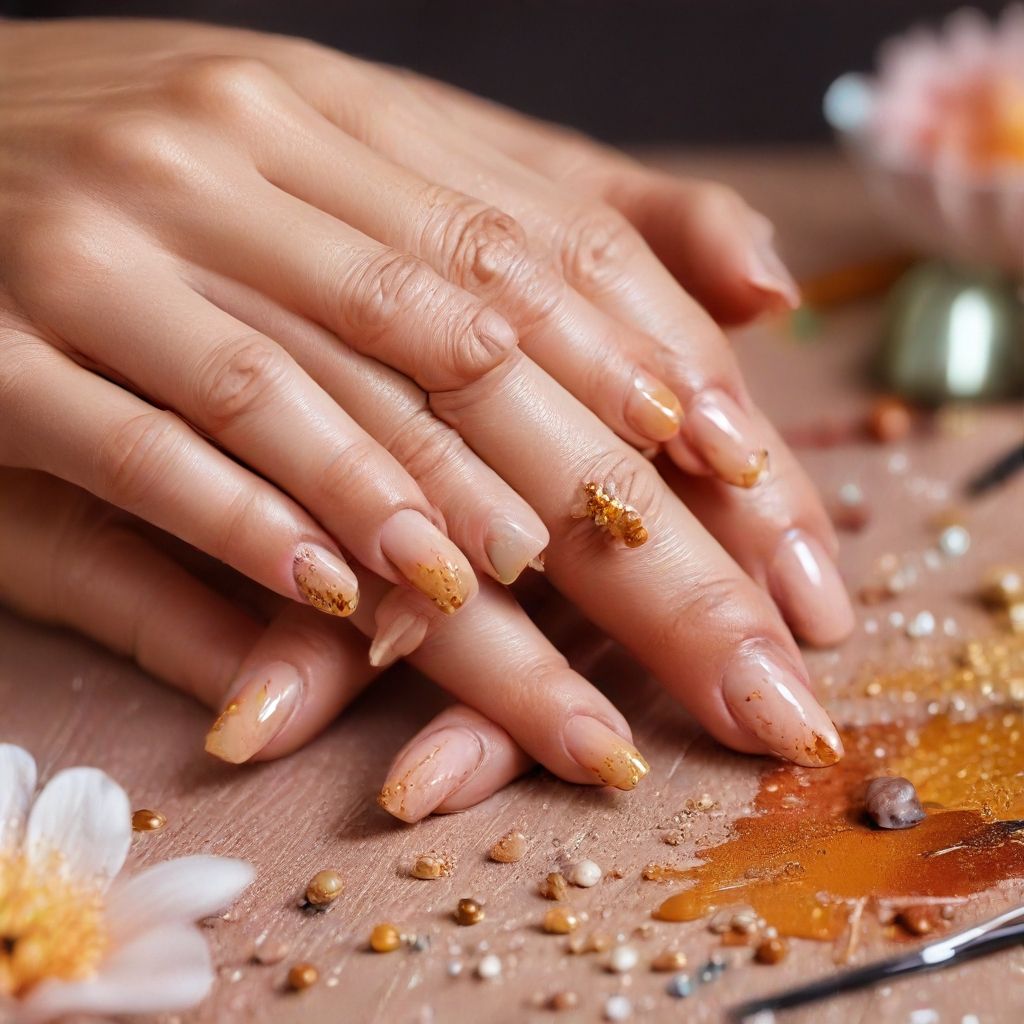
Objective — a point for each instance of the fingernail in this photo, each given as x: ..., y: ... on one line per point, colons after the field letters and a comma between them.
x: 325, y: 581
x: 428, y: 560
x: 511, y: 548
x: 766, y: 271
x: 595, y: 747
x: 429, y: 772
x: 724, y: 434
x: 808, y: 587
x: 768, y: 700
x: 399, y: 637
x: 495, y: 331
x: 652, y: 409
x: 256, y: 714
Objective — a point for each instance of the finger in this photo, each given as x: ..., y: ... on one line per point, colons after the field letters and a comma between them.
x: 719, y: 249
x: 679, y: 603
x: 502, y: 666
x: 485, y: 517
x: 243, y: 390
x: 64, y: 420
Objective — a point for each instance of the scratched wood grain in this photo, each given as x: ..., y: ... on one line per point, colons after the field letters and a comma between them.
x: 71, y: 703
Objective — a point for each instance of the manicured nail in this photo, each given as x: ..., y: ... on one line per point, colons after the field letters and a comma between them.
x: 325, y: 581
x: 652, y: 409
x: 429, y: 772
x: 397, y: 638
x: 724, y: 434
x: 768, y: 700
x: 428, y: 560
x: 511, y: 548
x: 256, y: 714
x: 766, y: 271
x: 595, y: 747
x: 807, y: 585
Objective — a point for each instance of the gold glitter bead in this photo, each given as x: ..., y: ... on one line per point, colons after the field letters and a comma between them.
x: 145, y: 820
x: 670, y: 960
x: 560, y: 921
x: 554, y: 887
x: 324, y: 888
x: 431, y: 865
x: 771, y: 951
x: 509, y: 849
x: 385, y: 938
x: 469, y: 912
x: 302, y: 976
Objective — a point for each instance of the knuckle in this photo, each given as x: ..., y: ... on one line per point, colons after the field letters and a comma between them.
x: 138, y: 456
x: 236, y: 379
x: 147, y: 146
x: 596, y: 243
x: 383, y: 287
x: 632, y: 478
x: 424, y: 446
x: 343, y: 479
x: 221, y: 84
x: 702, y: 608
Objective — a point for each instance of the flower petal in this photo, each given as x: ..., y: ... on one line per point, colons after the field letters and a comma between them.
x: 163, y: 969
x: 85, y: 815
x: 176, y: 891
x: 17, y: 784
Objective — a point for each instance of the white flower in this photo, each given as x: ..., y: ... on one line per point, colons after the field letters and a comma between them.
x: 73, y: 937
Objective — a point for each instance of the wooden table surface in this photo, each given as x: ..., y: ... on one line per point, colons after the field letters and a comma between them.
x: 71, y: 703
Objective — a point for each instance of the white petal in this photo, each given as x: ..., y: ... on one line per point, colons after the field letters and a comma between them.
x: 163, y: 969
x: 174, y: 892
x: 85, y: 815
x: 17, y: 784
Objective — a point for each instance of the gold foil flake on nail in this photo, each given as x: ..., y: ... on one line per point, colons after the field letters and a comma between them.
x: 442, y: 583
x: 318, y: 592
x: 623, y: 769
x: 757, y: 471
x: 823, y: 752
x: 618, y: 519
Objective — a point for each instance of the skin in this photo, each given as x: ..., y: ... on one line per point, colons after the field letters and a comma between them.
x: 250, y: 286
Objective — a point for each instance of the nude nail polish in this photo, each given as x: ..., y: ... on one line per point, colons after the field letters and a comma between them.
x: 727, y: 439
x: 766, y: 271
x: 772, y: 703
x: 602, y: 751
x: 428, y: 560
x: 256, y: 713
x: 652, y: 409
x: 398, y: 638
x: 429, y: 772
x: 807, y: 585
x: 325, y: 581
x: 511, y: 548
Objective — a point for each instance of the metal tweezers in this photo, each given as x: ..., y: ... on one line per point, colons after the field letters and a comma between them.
x: 997, y: 933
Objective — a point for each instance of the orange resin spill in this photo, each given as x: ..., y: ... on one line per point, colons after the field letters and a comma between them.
x: 808, y: 857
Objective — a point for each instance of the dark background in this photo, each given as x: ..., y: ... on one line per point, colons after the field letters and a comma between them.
x: 705, y: 71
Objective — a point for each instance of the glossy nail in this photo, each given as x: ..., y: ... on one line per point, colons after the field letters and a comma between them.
x: 428, y: 560
x: 600, y: 750
x: 256, y: 713
x: 724, y: 434
x: 397, y: 638
x: 767, y: 272
x: 511, y: 548
x: 429, y: 772
x: 652, y: 409
x: 807, y: 585
x: 325, y: 581
x: 770, y: 701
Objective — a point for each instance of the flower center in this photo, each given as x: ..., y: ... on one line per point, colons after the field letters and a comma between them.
x: 50, y: 927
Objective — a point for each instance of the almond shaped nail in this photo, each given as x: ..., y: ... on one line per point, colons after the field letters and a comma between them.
x: 652, y: 409
x: 325, y: 581
x: 727, y: 439
x: 511, y: 548
x: 256, y: 713
x: 398, y: 638
x: 769, y: 701
x: 767, y: 272
x: 428, y: 560
x: 602, y: 751
x: 429, y: 772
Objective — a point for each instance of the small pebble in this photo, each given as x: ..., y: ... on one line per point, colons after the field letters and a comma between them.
x: 618, y: 1008
x: 560, y: 921
x: 680, y: 986
x: 771, y: 951
x: 567, y: 1000
x: 420, y: 944
x: 431, y: 865
x: 489, y: 967
x: 302, y: 976
x: 324, y: 888
x: 892, y: 802
x: 454, y: 968
x: 711, y: 970
x: 622, y: 959
x: 145, y: 820
x: 469, y: 912
x: 670, y: 960
x: 509, y: 848
x: 584, y: 873
x: 954, y: 541
x: 554, y: 887
x: 385, y: 938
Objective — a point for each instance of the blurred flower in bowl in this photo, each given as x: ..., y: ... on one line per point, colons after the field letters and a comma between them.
x: 939, y: 131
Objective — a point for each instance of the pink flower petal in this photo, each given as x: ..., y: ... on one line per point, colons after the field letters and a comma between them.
x: 17, y: 784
